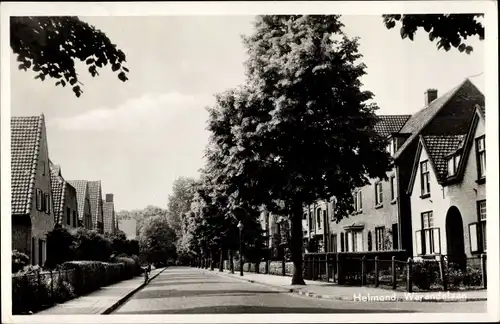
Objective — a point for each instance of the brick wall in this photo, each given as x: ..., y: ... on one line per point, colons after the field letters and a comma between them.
x: 21, y: 234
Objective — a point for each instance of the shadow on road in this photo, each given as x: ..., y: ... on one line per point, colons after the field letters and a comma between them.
x: 260, y: 310
x: 175, y: 293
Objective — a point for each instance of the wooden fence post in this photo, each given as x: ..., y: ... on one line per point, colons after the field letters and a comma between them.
x: 363, y: 270
x: 484, y: 281
x: 283, y: 265
x: 442, y: 272
x: 376, y: 271
x: 393, y: 272
x: 409, y: 283
x: 51, y: 285
x: 327, y: 268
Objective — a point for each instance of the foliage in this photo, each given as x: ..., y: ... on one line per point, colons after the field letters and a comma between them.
x: 49, y: 47
x: 300, y: 129
x: 157, y: 240
x: 90, y: 245
x: 19, y: 261
x: 179, y: 203
x: 451, y: 30
x: 425, y: 274
x: 60, y: 247
x: 142, y: 215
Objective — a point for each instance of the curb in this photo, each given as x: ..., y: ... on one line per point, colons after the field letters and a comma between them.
x: 344, y: 298
x: 122, y: 300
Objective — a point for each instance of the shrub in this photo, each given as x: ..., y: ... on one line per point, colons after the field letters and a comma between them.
x: 60, y: 247
x: 90, y: 275
x: 90, y: 245
x: 425, y: 274
x: 132, y: 267
x: 472, y: 277
x: 19, y: 261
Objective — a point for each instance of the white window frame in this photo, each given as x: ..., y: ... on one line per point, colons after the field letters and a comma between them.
x: 379, y: 238
x: 481, y: 156
x: 358, y: 201
x: 425, y: 181
x: 379, y: 194
x: 392, y: 183
x: 39, y: 199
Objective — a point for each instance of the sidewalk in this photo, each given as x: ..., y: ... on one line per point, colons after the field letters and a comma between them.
x: 102, y: 301
x: 319, y: 289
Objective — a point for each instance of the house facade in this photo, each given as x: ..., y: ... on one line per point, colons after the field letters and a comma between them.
x: 448, y: 194
x: 64, y: 199
x: 383, y: 217
x: 83, y: 202
x: 108, y: 208
x: 32, y: 207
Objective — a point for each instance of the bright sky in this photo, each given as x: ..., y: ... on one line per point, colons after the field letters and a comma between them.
x: 137, y: 137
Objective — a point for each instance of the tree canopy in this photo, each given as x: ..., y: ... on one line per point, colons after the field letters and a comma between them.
x: 450, y: 30
x: 49, y: 47
x: 301, y: 128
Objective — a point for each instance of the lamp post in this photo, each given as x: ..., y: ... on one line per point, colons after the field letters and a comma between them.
x: 240, y: 227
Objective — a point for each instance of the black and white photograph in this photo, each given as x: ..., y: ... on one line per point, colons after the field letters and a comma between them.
x: 249, y: 162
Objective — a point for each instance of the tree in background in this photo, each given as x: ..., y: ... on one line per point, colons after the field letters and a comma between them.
x: 450, y: 30
x: 90, y: 245
x: 157, y: 241
x: 303, y: 128
x: 61, y: 246
x: 49, y: 47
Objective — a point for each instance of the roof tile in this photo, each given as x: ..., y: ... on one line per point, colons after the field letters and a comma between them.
x: 81, y: 192
x: 388, y: 124
x: 26, y: 133
x: 438, y: 147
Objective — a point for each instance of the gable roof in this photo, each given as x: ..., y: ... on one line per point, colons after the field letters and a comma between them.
x: 95, y: 194
x: 438, y: 147
x: 26, y: 133
x: 420, y: 119
x: 81, y: 193
x: 389, y: 124
x: 57, y: 183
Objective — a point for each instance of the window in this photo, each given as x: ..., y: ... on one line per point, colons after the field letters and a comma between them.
x: 318, y: 217
x: 392, y: 182
x: 370, y: 241
x: 75, y: 219
x: 379, y: 238
x: 477, y: 230
x: 342, y: 245
x: 325, y: 218
x: 392, y: 147
x: 453, y: 162
x: 39, y: 199
x: 358, y: 201
x: 395, y: 237
x: 378, y: 193
x: 354, y: 241
x: 334, y: 243
x: 68, y: 216
x: 428, y: 239
x: 347, y: 247
x: 311, y: 223
x: 481, y: 157
x: 47, y: 203
x: 304, y: 216
x: 425, y: 183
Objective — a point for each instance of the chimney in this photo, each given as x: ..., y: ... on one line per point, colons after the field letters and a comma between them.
x: 430, y: 96
x: 109, y: 197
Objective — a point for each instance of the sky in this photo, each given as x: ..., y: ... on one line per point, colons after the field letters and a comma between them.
x: 139, y: 136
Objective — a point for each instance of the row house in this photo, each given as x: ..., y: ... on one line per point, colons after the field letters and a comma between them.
x: 83, y: 201
x: 64, y: 199
x: 448, y: 194
x: 385, y: 211
x: 31, y: 194
x: 109, y: 217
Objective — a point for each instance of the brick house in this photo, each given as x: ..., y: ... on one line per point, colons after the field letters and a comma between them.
x: 83, y: 203
x: 32, y: 216
x: 108, y: 209
x: 95, y: 194
x: 64, y: 199
x: 383, y: 216
x: 448, y: 194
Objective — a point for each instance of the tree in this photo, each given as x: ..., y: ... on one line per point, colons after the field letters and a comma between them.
x: 451, y: 30
x: 303, y: 130
x: 179, y: 203
x: 157, y: 241
x: 61, y: 246
x: 90, y: 245
x: 49, y: 47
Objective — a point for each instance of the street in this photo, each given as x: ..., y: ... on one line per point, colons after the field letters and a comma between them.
x: 184, y: 290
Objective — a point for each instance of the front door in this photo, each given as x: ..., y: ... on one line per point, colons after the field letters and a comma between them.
x: 455, y: 238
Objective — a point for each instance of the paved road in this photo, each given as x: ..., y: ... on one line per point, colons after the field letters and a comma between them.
x: 184, y: 290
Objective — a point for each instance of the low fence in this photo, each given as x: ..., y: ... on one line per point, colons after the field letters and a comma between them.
x: 35, y: 291
x: 385, y: 269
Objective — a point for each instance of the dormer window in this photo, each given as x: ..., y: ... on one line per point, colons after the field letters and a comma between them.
x: 453, y: 162
x: 392, y: 147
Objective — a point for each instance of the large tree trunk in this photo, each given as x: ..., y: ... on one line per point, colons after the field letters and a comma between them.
x: 221, y: 262
x: 231, y: 261
x: 296, y: 244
